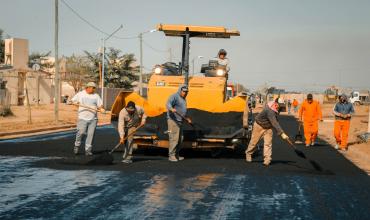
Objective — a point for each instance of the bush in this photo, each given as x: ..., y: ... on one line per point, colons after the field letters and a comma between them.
x: 5, y: 111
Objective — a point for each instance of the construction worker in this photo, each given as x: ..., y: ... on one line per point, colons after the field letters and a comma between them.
x: 343, y: 112
x: 262, y: 127
x: 89, y: 104
x: 130, y: 117
x: 223, y: 60
x: 310, y: 112
x: 295, y: 105
x: 289, y: 106
x: 176, y: 113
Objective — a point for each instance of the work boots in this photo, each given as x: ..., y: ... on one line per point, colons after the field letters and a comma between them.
x: 248, y: 158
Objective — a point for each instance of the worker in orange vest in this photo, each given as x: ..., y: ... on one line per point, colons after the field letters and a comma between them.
x: 295, y: 105
x: 310, y: 113
x: 343, y: 112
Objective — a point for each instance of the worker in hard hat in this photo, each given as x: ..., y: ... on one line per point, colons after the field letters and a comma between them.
x: 176, y: 114
x: 310, y: 114
x: 343, y: 111
x: 89, y: 104
x: 223, y: 60
x: 262, y: 127
x: 130, y: 117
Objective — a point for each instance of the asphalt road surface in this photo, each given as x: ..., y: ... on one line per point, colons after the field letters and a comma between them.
x: 37, y: 183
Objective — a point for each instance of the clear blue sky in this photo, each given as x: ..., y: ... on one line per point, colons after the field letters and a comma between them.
x: 292, y: 44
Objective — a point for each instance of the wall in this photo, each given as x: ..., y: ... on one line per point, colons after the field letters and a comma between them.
x: 17, y: 50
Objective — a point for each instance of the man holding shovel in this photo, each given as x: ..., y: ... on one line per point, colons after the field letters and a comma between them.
x: 176, y: 112
x: 264, y: 122
x: 130, y: 118
x: 89, y: 104
x: 310, y: 113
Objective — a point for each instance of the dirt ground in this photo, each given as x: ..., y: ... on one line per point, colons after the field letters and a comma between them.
x: 43, y: 122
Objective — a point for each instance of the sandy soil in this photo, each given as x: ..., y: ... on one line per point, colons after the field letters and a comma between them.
x: 42, y: 119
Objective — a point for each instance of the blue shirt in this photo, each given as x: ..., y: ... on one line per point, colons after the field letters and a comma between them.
x: 343, y: 108
x: 179, y: 103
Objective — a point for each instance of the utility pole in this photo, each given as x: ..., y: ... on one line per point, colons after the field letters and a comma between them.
x: 56, y: 78
x: 141, y: 59
x: 368, y: 123
x: 141, y: 65
x: 102, y: 71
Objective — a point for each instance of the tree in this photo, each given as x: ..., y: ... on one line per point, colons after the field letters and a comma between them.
x: 2, y: 47
x: 77, y: 71
x: 120, y: 70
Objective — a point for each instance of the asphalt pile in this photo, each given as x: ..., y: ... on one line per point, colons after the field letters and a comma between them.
x: 206, y: 124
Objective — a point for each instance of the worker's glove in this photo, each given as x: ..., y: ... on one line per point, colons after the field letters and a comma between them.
x: 102, y: 110
x: 69, y: 102
x: 284, y: 136
x: 188, y: 120
x: 121, y: 140
x: 173, y: 110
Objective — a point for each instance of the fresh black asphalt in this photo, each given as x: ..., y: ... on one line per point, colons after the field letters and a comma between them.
x: 37, y: 183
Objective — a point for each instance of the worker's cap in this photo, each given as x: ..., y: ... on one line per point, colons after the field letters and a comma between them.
x: 222, y: 51
x: 309, y: 96
x: 185, y: 89
x: 130, y: 106
x: 91, y: 84
x: 344, y: 96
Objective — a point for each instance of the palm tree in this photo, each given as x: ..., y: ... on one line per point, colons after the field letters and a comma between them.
x: 120, y: 71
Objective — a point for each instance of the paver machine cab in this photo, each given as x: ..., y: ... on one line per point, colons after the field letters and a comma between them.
x: 216, y: 123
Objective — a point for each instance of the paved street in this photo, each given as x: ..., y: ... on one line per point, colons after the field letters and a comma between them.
x: 36, y: 183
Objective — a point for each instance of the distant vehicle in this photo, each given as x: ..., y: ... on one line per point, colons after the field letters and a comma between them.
x: 359, y: 97
x: 282, y: 105
x: 331, y: 94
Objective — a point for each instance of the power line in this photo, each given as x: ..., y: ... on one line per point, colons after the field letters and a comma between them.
x: 155, y: 49
x: 92, y: 25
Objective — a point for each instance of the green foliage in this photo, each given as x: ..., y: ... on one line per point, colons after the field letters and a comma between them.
x: 120, y: 70
x: 78, y: 71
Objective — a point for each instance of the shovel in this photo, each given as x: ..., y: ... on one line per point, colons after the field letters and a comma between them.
x: 298, y: 139
x: 129, y: 135
x: 105, y: 158
x: 299, y: 153
x: 91, y: 108
x: 185, y: 119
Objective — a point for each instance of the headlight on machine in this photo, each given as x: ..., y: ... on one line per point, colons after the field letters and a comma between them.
x: 220, y: 72
x: 157, y: 70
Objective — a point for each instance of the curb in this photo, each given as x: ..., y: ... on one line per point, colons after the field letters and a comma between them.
x: 46, y: 130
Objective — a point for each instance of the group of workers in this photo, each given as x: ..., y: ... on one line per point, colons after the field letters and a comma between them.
x: 132, y: 116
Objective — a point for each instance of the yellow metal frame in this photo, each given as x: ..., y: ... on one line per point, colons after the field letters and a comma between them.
x: 177, y: 30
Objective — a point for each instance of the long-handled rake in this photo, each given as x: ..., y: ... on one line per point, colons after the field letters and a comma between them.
x: 299, y: 153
